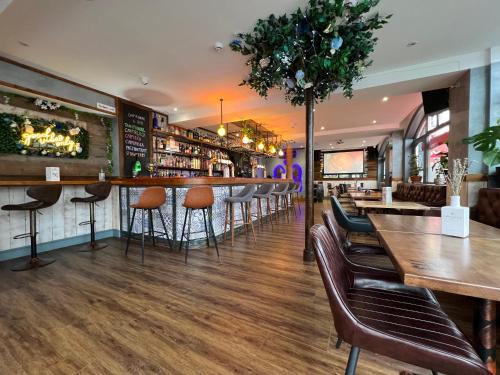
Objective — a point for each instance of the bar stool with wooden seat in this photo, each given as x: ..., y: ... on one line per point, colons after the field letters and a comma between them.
x: 98, y: 192
x: 45, y: 196
x: 281, y: 191
x: 264, y: 192
x: 199, y: 198
x: 244, y: 198
x: 152, y: 198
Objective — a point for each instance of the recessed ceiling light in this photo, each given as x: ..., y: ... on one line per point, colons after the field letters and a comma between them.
x: 413, y: 43
x: 176, y: 109
x: 314, y: 110
x: 364, y: 141
x: 385, y: 99
x: 374, y: 121
x: 322, y: 128
x: 331, y: 144
x: 24, y: 44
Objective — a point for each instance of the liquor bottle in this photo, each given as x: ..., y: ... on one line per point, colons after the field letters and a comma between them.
x: 155, y: 121
x: 137, y: 167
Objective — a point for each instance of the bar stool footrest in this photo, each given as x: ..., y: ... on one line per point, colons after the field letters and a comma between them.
x: 21, y: 236
x: 88, y: 222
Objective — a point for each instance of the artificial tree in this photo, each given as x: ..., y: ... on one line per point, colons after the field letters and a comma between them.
x: 415, y: 169
x: 309, y: 54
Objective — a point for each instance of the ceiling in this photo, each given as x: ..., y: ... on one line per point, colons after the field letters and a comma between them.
x: 110, y: 44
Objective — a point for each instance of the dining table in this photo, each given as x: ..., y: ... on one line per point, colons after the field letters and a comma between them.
x: 463, y: 266
x: 385, y: 206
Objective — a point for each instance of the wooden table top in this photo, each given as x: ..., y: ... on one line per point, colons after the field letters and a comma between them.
x: 359, y: 195
x: 455, y: 265
x: 396, y: 205
x: 427, y: 225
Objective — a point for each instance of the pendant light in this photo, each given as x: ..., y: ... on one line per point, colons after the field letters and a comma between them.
x: 221, y: 131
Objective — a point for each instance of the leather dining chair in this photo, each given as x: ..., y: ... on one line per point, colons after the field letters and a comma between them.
x: 350, y: 223
x: 374, y: 311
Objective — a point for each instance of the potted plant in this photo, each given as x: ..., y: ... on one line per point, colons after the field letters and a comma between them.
x: 415, y: 169
x: 488, y: 143
x: 441, y: 169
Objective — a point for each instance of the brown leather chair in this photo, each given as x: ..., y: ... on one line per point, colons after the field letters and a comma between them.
x: 45, y: 196
x: 98, y: 192
x: 199, y: 198
x: 374, y: 311
x: 487, y: 209
x: 340, y: 236
x: 152, y: 198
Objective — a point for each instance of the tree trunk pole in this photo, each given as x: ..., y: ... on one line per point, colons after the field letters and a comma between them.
x: 309, y: 222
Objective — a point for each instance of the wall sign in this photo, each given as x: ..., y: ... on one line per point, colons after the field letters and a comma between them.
x: 135, y: 138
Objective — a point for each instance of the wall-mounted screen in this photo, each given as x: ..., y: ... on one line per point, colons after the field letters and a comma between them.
x: 345, y: 162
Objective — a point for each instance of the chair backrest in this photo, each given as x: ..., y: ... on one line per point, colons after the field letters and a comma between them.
x: 282, y: 187
x: 99, y: 189
x: 199, y: 197
x: 337, y: 279
x: 247, y: 191
x: 339, y: 212
x: 338, y: 233
x: 152, y: 197
x: 48, y: 194
x: 265, y: 189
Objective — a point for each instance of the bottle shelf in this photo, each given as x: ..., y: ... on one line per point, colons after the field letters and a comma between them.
x: 181, y: 138
x: 182, y: 169
x: 174, y: 153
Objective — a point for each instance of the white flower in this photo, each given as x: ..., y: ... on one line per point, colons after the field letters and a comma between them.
x: 74, y: 131
x: 332, y: 51
x: 308, y: 85
x: 43, y: 106
x: 73, y: 153
x: 13, y: 124
x: 24, y: 152
x: 329, y: 29
x: 264, y: 63
x: 44, y: 152
x: 27, y: 121
x: 79, y: 150
x: 29, y: 129
x: 351, y: 3
x: 58, y: 153
x: 38, y: 102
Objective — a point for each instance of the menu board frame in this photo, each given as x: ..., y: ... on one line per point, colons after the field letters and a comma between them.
x: 135, y: 127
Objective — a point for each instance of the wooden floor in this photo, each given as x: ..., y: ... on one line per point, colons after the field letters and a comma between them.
x: 261, y: 310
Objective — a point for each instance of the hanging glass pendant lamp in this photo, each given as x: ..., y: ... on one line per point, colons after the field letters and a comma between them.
x: 221, y: 131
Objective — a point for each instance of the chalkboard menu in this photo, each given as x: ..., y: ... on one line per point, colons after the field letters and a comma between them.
x: 135, y: 138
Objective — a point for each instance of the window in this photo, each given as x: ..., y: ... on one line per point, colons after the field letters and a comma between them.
x: 431, y: 142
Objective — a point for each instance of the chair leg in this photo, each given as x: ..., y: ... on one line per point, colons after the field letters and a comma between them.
x: 298, y: 203
x: 249, y: 218
x: 130, y: 230
x: 338, y: 343
x: 206, y: 228
x: 287, y: 214
x: 232, y: 224
x: 276, y: 208
x: 165, y: 229
x: 183, y: 229
x: 188, y: 235
x: 151, y: 226
x: 353, y: 361
x: 259, y: 211
x: 142, y: 236
x: 210, y: 223
x: 269, y: 212
x: 226, y: 221
x: 244, y: 218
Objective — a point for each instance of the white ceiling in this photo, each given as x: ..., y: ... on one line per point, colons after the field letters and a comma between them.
x: 110, y: 44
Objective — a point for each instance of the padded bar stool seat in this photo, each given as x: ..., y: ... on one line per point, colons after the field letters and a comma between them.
x: 199, y: 198
x: 244, y: 198
x: 152, y: 198
x: 98, y: 192
x: 264, y: 192
x: 45, y: 196
x: 281, y: 191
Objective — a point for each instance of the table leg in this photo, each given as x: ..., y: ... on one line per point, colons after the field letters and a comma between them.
x: 485, y: 332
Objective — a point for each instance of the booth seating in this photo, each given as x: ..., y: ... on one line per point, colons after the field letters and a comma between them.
x: 487, y: 209
x: 429, y: 195
x: 374, y: 311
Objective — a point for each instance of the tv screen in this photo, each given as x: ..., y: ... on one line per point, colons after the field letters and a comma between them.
x: 436, y: 100
x: 346, y: 162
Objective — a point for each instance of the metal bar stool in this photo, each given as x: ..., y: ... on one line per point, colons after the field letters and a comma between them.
x: 152, y: 198
x: 264, y: 192
x: 199, y: 198
x: 281, y: 191
x: 45, y: 196
x: 244, y: 198
x: 291, y: 201
x: 98, y: 192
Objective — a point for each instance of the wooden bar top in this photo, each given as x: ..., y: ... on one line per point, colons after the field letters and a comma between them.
x: 145, y: 181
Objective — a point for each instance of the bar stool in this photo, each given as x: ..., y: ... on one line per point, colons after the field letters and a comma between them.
x: 292, y: 189
x: 152, y: 198
x: 199, y: 198
x: 244, y: 198
x: 45, y: 196
x: 98, y: 192
x: 264, y: 192
x: 281, y: 191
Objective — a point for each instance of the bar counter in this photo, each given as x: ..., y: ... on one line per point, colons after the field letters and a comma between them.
x: 58, y: 226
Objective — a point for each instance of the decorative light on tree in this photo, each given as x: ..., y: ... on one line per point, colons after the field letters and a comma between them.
x: 309, y: 54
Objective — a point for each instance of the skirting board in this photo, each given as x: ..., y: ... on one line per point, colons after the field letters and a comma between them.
x: 59, y: 244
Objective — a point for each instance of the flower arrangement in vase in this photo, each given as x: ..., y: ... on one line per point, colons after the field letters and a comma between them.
x: 454, y: 218
x: 415, y: 169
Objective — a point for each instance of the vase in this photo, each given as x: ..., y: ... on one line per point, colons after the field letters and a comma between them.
x: 415, y: 179
x: 439, y: 180
x: 455, y: 219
